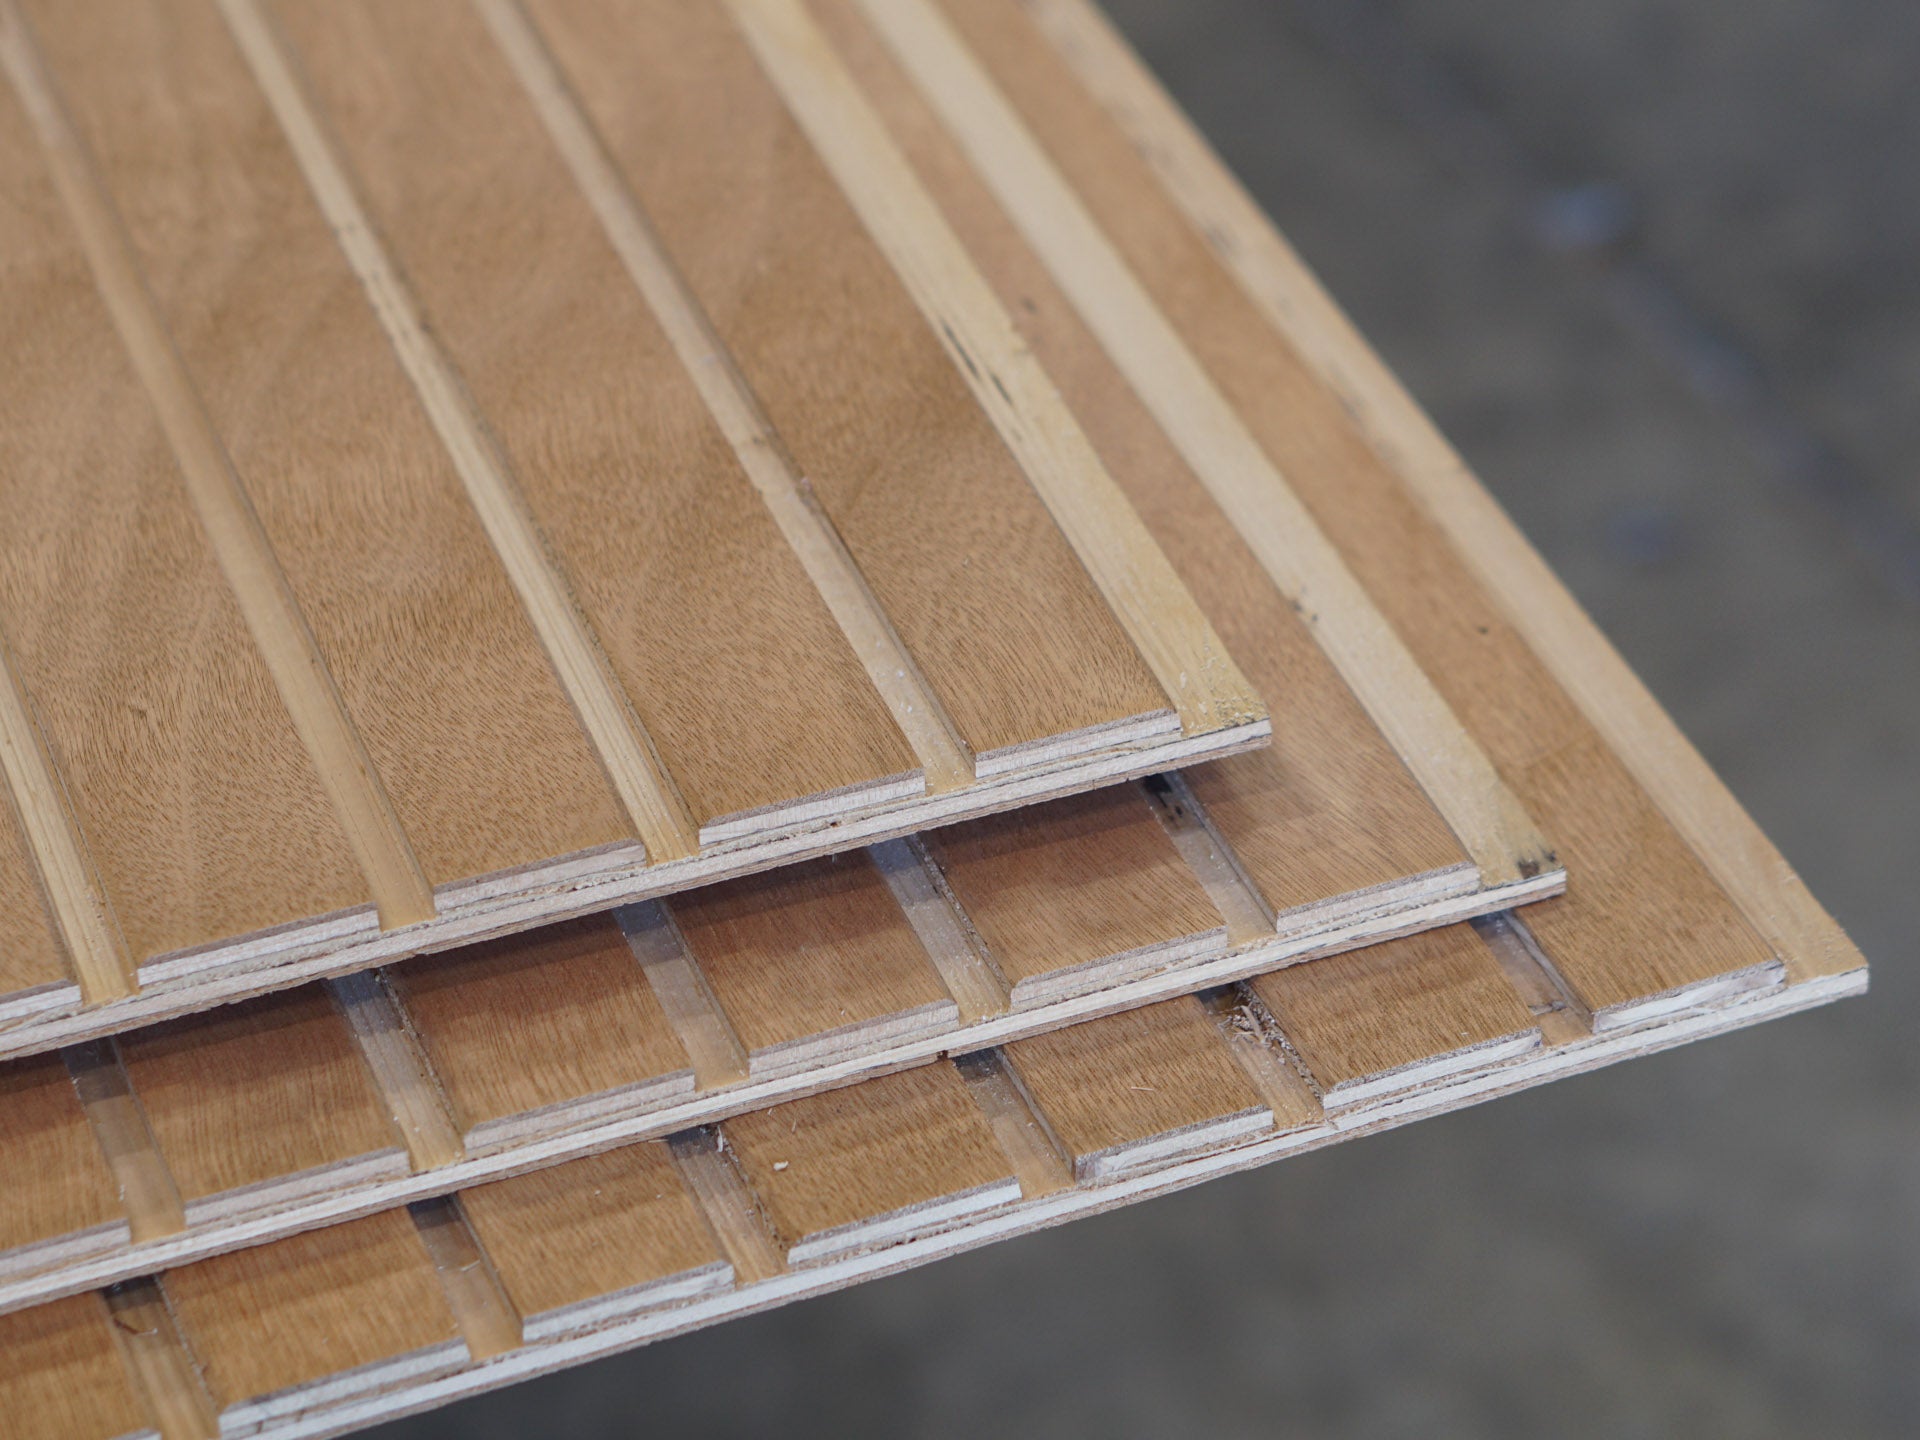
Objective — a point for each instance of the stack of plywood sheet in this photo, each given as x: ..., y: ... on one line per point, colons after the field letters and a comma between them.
x: 656, y: 657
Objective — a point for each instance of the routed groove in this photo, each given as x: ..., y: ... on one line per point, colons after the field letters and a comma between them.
x: 1541, y: 989
x: 936, y: 741
x: 733, y: 1211
x: 280, y: 632
x: 157, y: 1356
x: 1216, y: 443
x: 95, y: 947
x: 718, y: 1056
x: 481, y: 1308
x: 1261, y: 1053
x: 1136, y: 580
x: 1248, y: 915
x: 973, y: 979
x: 647, y: 791
x: 400, y: 1068
x: 1769, y: 894
x: 148, y: 1193
x: 1040, y: 1161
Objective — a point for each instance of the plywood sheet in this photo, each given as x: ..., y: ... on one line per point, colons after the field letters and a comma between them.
x: 877, y: 417
x: 356, y: 1296
x: 411, y: 609
x: 1384, y: 1010
x: 1136, y: 1086
x: 1605, y: 827
x: 260, y: 1092
x: 519, y: 1025
x: 831, y: 1172
x: 1330, y: 807
x: 1054, y: 888
x: 810, y: 953
x: 193, y: 843
x: 606, y: 1226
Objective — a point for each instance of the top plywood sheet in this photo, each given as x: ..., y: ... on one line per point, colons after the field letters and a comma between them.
x: 427, y: 516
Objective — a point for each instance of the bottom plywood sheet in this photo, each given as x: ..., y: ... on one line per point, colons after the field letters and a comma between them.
x: 325, y: 1332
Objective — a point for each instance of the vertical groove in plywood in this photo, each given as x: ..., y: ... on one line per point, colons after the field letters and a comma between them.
x: 1248, y: 915
x: 977, y: 984
x: 148, y: 1192
x: 58, y: 1181
x: 732, y: 1210
x: 646, y: 789
x: 719, y: 1058
x: 408, y: 606
x: 1645, y: 918
x: 1774, y: 899
x: 980, y: 582
x: 936, y: 742
x: 400, y: 1068
x: 1534, y: 977
x: 1262, y: 1054
x: 1196, y: 416
x: 156, y: 1358
x: 1330, y: 809
x: 1040, y: 1161
x: 488, y: 1321
x: 47, y: 847
x: 590, y: 413
x: 183, y: 848
x: 400, y: 891
x: 63, y: 1379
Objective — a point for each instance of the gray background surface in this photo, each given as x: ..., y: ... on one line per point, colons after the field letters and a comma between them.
x: 1655, y: 266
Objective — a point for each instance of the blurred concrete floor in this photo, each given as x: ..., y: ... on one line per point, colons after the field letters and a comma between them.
x: 1655, y: 265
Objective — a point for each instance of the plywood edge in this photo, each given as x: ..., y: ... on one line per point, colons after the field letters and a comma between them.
x: 351, y: 941
x: 599, y: 1336
x: 569, y: 1131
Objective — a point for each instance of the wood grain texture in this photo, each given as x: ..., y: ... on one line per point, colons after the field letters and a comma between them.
x: 260, y: 1092
x: 217, y: 501
x: 811, y: 952
x: 608, y: 1225
x: 981, y: 586
x: 187, y: 844
x: 295, y: 1311
x: 1198, y: 419
x: 520, y: 284
x: 1137, y: 1086
x: 831, y: 1168
x: 1330, y: 807
x: 1073, y: 883
x: 558, y: 1015
x: 408, y: 604
x: 62, y: 1379
x: 61, y: 1184
x: 1394, y: 1006
x: 1647, y: 917
x: 1774, y: 899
